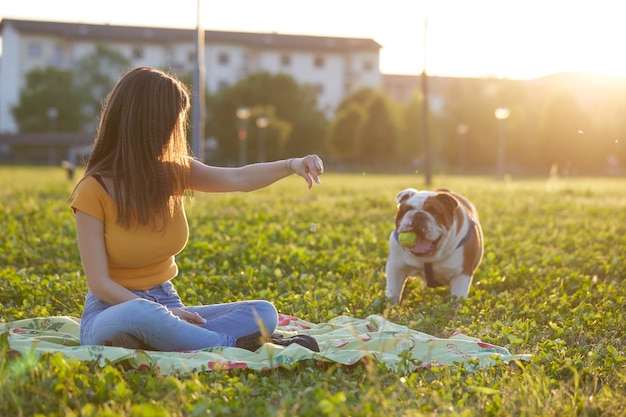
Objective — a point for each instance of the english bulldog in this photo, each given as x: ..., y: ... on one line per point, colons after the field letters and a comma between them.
x: 437, y: 237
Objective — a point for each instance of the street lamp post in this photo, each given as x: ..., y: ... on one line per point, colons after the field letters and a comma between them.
x: 462, y: 130
x: 427, y: 162
x: 198, y: 100
x: 502, y: 113
x: 243, y: 113
x: 262, y: 122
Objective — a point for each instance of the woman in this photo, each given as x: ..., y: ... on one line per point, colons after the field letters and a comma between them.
x: 130, y: 223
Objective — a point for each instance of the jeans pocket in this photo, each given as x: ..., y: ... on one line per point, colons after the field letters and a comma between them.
x: 171, y: 298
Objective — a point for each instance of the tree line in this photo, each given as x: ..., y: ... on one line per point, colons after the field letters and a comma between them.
x: 574, y: 124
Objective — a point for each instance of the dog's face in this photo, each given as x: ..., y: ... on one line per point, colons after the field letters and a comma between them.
x: 429, y: 214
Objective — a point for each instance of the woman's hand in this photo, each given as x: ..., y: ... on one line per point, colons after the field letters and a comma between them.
x: 193, y: 318
x: 310, y: 168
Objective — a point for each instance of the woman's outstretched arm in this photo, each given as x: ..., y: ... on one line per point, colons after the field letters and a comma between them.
x: 252, y: 177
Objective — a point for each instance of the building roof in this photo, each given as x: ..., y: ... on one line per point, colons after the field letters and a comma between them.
x: 108, y: 32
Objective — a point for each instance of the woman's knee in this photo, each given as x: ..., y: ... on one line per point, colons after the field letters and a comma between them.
x: 267, y: 313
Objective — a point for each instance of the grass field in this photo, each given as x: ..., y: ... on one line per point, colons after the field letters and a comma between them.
x: 552, y: 284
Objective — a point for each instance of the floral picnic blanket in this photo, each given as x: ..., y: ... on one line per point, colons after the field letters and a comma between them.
x: 343, y: 340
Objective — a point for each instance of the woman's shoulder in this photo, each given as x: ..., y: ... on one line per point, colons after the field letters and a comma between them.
x: 91, y: 184
x: 87, y: 182
x: 91, y: 198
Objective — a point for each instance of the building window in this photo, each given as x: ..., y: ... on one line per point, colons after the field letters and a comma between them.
x: 368, y: 65
x: 319, y: 88
x: 223, y: 58
x: 59, y: 55
x: 137, y: 53
x: 222, y: 85
x: 318, y: 61
x: 285, y: 60
x: 34, y: 50
x: 191, y: 57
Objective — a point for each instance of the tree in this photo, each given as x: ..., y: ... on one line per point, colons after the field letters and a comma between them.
x: 294, y: 109
x: 365, y: 128
x: 379, y: 139
x: 95, y: 76
x: 68, y: 101
x: 345, y: 130
x: 410, y: 143
x: 49, y: 102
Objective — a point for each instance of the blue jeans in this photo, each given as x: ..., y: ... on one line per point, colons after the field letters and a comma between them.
x: 149, y: 319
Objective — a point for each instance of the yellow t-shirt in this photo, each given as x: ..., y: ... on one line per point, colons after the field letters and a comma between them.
x: 139, y: 258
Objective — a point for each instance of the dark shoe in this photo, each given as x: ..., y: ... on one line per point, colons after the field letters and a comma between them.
x: 301, y: 339
x: 252, y: 342
x: 129, y: 341
x: 256, y: 340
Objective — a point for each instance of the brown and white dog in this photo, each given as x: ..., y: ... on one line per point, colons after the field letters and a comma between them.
x: 447, y: 246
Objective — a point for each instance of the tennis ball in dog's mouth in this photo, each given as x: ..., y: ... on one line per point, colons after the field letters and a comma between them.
x: 407, y: 239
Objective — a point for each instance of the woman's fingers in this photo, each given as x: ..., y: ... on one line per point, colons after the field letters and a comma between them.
x: 311, y: 168
x: 193, y: 318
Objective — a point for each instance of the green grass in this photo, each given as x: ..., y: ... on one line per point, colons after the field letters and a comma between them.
x: 551, y: 284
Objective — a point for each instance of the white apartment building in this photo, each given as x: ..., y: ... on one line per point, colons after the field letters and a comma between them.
x: 335, y: 66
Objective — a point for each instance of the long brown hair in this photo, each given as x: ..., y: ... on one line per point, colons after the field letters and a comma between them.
x: 141, y: 144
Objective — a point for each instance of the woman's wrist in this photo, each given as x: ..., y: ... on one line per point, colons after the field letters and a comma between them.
x: 288, y: 166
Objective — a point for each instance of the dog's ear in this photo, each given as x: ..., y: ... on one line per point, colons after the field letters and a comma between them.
x: 405, y: 194
x: 449, y: 202
x: 442, y: 206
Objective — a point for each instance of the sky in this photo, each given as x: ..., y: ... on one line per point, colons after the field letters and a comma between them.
x: 516, y: 39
